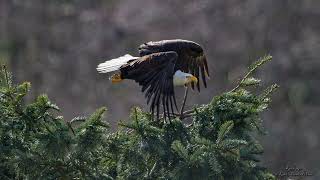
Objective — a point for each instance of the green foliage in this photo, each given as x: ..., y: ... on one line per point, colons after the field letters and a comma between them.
x: 220, y: 143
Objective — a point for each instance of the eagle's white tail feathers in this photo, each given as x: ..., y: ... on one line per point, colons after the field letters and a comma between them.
x: 114, y: 64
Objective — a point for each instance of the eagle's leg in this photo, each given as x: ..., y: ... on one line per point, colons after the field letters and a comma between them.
x: 184, y: 101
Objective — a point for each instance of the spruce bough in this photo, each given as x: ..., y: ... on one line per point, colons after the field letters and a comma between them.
x: 220, y: 142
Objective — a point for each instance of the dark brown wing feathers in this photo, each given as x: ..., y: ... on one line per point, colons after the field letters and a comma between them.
x: 186, y: 62
x: 154, y: 72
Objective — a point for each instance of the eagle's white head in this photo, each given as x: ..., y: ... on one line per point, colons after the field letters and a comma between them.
x: 182, y: 79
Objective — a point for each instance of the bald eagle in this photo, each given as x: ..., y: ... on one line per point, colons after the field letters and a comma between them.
x: 161, y: 66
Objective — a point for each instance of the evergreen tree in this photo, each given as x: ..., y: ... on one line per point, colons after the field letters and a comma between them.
x: 220, y: 142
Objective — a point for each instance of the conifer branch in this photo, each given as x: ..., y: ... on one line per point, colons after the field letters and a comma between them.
x: 153, y: 169
x: 70, y: 127
x: 6, y: 75
x: 269, y: 91
x: 252, y: 69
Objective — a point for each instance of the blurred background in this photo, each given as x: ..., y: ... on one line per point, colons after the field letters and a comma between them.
x: 57, y: 44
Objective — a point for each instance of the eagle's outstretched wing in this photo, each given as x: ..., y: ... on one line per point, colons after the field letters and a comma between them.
x: 191, y: 58
x: 154, y: 72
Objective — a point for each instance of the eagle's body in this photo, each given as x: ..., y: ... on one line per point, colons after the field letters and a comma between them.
x: 161, y: 66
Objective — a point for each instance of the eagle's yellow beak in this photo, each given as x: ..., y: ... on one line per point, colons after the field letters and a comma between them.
x: 192, y: 79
